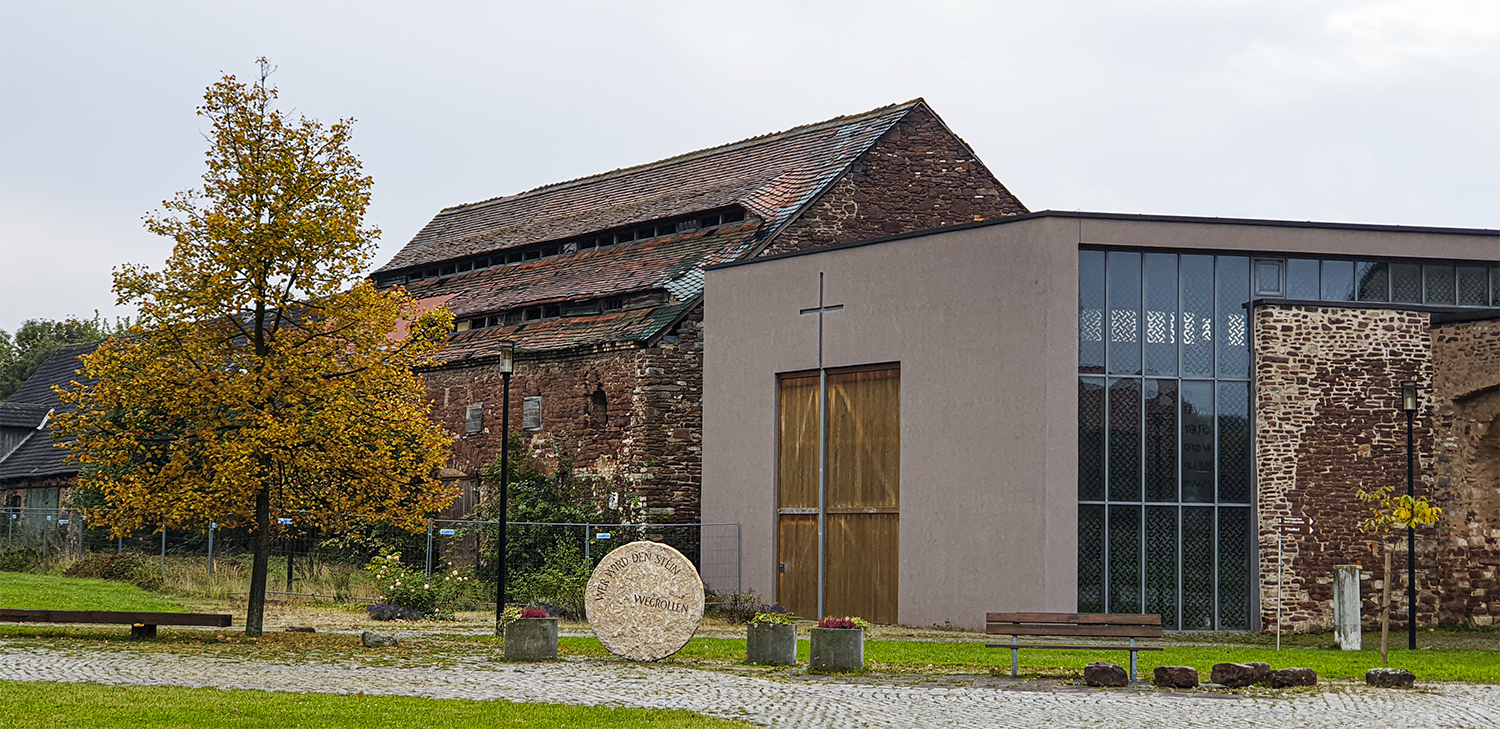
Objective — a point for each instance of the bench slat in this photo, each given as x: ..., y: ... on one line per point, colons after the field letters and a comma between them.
x: 1074, y: 618
x: 1075, y: 647
x: 17, y: 615
x: 1082, y: 631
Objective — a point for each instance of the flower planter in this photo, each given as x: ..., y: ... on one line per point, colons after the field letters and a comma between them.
x: 775, y: 644
x: 837, y: 649
x: 531, y: 639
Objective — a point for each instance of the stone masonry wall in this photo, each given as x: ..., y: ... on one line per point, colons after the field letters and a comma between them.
x: 1328, y: 422
x: 630, y: 414
x: 917, y: 176
x: 1466, y: 395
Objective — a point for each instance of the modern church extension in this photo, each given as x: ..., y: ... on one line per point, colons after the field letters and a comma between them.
x: 1104, y: 413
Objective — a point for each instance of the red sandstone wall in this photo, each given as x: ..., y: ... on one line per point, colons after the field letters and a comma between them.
x: 1328, y: 422
x: 648, y: 434
x: 918, y: 176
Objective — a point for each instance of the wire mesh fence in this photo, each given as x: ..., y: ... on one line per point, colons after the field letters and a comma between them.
x: 310, y: 562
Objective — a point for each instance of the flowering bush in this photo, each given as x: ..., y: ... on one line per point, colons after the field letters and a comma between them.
x: 532, y: 612
x: 405, y: 587
x: 387, y: 611
x: 848, y: 623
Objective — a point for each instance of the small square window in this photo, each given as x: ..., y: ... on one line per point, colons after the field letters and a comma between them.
x: 474, y: 419
x: 531, y: 413
x: 1268, y: 278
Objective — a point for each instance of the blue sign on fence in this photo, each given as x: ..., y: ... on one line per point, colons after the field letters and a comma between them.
x: 602, y: 535
x: 62, y: 521
x: 447, y: 532
x: 283, y: 521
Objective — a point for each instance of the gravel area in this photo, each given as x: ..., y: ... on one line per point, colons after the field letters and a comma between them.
x: 980, y: 702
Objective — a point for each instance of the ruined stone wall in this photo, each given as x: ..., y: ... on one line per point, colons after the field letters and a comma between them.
x: 917, y: 176
x: 1328, y: 422
x: 1466, y: 420
x: 632, y: 415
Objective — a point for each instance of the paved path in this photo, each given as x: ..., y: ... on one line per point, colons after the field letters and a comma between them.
x: 775, y: 703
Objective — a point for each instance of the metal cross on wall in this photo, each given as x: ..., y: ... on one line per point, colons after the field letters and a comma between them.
x: 821, y: 309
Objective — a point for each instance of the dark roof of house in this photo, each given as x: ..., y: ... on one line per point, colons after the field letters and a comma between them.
x: 39, y: 456
x: 22, y: 415
x: 672, y: 262
x: 772, y: 176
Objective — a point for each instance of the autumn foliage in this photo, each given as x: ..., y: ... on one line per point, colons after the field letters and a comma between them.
x: 264, y: 379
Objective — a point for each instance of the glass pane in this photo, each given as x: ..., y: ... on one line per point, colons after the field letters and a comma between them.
x: 1124, y: 313
x: 1090, y: 558
x: 1338, y: 280
x: 1233, y: 284
x: 1302, y: 279
x: 1473, y: 286
x: 1124, y: 559
x: 1440, y: 288
x: 1125, y: 440
x: 1234, y: 568
x: 1495, y: 286
x: 1161, y: 314
x: 1161, y: 564
x: 1234, y: 442
x: 1161, y: 440
x: 1406, y: 283
x: 1091, y: 439
x: 1374, y: 281
x: 1198, y: 315
x: 1268, y: 278
x: 1198, y: 441
x: 1091, y: 311
x: 1197, y: 568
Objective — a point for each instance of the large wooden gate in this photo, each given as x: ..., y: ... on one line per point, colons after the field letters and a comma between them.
x: 863, y: 499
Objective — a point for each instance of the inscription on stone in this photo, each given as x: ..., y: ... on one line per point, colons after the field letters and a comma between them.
x: 644, y: 601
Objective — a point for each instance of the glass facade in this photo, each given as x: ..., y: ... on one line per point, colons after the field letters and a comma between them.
x: 1165, y: 468
x: 1164, y: 464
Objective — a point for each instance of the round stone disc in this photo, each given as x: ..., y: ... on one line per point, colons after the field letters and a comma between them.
x: 644, y: 601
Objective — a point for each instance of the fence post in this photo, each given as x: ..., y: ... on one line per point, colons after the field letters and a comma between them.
x: 164, y: 552
x: 82, y: 522
x: 739, y: 561
x: 211, y: 526
x: 46, y: 529
x: 587, y: 537
x: 429, y: 549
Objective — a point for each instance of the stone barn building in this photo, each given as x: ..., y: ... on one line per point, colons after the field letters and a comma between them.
x: 599, y: 282
x: 1106, y: 413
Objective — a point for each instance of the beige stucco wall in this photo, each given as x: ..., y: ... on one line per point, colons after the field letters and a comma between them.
x: 983, y: 322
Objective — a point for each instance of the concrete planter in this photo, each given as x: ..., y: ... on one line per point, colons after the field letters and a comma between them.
x: 531, y: 639
x: 837, y: 649
x: 775, y: 644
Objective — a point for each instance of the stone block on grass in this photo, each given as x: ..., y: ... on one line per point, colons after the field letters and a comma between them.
x: 1236, y: 675
x: 376, y: 640
x: 1177, y: 677
x: 1292, y: 677
x: 1390, y: 678
x: 1100, y: 673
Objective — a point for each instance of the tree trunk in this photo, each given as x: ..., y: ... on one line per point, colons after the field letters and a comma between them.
x: 255, y: 614
x: 1385, y: 607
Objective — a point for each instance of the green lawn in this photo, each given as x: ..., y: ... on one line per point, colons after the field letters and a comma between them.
x: 83, y: 705
x: 972, y: 657
x: 21, y: 590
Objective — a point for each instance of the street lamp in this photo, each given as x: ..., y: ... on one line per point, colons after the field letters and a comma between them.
x: 506, y: 365
x: 1409, y: 405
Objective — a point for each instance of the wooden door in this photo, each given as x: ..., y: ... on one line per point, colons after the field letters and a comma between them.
x: 864, y: 493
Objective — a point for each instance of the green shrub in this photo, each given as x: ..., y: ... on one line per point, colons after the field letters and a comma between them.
x: 129, y: 568
x: 411, y: 588
x: 19, y: 559
x: 559, y: 584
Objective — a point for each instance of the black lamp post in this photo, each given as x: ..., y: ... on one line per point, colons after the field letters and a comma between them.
x: 506, y: 365
x: 1409, y: 404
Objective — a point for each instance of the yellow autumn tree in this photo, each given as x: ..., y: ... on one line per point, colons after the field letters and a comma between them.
x: 265, y: 378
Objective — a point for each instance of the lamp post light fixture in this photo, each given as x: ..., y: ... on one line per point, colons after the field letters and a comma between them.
x: 506, y: 365
x: 1409, y: 406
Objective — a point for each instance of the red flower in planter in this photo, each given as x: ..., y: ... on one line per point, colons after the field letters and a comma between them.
x: 843, y: 623
x: 534, y: 613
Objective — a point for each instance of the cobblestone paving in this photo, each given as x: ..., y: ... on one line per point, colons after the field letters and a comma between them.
x: 777, y: 703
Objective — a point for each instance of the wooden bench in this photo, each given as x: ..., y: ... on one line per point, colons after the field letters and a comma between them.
x: 1072, y: 625
x: 142, y: 625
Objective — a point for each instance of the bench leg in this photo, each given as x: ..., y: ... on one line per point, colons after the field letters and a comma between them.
x: 142, y: 632
x: 1133, y: 654
x: 1013, y: 640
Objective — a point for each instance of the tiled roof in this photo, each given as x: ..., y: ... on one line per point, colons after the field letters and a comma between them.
x: 631, y: 325
x: 772, y: 176
x: 39, y: 456
x: 22, y: 415
x: 673, y: 262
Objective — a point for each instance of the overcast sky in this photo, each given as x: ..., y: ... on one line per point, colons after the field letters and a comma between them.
x: 1372, y: 112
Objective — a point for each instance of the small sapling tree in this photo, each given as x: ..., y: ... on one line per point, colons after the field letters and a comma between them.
x: 1388, y: 512
x: 264, y: 379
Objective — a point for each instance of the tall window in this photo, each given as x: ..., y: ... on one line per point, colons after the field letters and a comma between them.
x: 1165, y: 478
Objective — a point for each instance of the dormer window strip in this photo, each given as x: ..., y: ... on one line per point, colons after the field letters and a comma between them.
x: 587, y: 307
x: 580, y: 244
